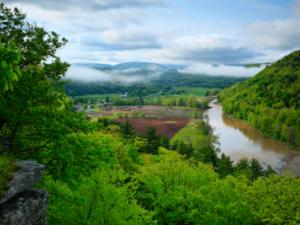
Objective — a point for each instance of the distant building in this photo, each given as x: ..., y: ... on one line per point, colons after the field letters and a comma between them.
x: 89, y: 110
x: 78, y: 107
x: 125, y: 95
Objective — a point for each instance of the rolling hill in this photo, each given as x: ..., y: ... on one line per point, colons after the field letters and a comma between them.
x: 138, y: 78
x: 270, y: 101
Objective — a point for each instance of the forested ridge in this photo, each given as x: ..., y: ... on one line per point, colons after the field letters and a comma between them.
x: 103, y: 173
x: 270, y: 101
x: 162, y: 85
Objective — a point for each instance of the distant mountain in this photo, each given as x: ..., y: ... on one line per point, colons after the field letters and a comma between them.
x: 140, y: 66
x: 127, y: 72
x: 145, y: 72
x: 134, y: 66
x: 94, y: 65
x: 270, y: 101
x: 249, y: 65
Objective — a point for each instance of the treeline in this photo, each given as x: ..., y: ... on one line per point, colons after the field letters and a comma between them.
x: 95, y: 173
x: 187, y: 101
x: 108, y: 100
x: 77, y: 88
x: 270, y: 101
x: 165, y: 85
x: 175, y: 79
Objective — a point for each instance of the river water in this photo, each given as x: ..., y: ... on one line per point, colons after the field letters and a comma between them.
x: 239, y: 140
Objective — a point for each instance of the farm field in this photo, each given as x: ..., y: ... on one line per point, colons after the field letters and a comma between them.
x: 148, y: 111
x: 167, y: 120
x: 167, y: 127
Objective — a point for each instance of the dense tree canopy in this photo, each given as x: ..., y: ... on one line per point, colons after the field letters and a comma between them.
x: 165, y: 84
x: 33, y: 107
x: 10, y: 72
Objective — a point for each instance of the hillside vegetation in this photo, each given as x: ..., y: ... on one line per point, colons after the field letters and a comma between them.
x: 166, y: 84
x: 7, y: 167
x: 270, y: 101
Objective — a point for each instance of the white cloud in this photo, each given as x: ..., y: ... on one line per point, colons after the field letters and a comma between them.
x: 88, y: 74
x: 296, y: 7
x: 114, y: 31
x: 223, y: 70
x: 281, y: 34
x: 91, y: 4
x: 121, y: 39
x: 209, y: 49
x: 81, y: 73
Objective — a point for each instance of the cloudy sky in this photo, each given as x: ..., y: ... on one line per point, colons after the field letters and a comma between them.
x: 192, y: 32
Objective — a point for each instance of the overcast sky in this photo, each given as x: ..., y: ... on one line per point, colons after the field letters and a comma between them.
x: 170, y: 31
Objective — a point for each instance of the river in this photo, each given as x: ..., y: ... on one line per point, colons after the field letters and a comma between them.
x: 239, y: 140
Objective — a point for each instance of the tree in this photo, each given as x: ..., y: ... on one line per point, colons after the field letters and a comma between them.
x: 104, y: 198
x: 152, y: 140
x: 127, y: 130
x: 256, y: 169
x: 107, y: 99
x: 242, y: 168
x: 34, y: 111
x: 164, y: 142
x: 179, y: 192
x: 276, y: 200
x: 10, y: 72
x: 225, y: 166
x: 36, y: 44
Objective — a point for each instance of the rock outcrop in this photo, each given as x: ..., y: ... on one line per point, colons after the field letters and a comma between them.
x: 21, y: 204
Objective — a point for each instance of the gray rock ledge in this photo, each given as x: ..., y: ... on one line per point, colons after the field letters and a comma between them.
x: 27, y: 208
x: 27, y: 175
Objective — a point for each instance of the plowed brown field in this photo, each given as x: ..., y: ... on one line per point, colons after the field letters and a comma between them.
x: 167, y: 127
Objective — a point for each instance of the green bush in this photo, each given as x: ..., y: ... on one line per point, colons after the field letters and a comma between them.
x: 6, y: 169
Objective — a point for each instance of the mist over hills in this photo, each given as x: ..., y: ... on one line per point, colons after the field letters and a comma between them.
x: 132, y: 66
x: 144, y: 72
x: 129, y: 72
x: 139, y: 78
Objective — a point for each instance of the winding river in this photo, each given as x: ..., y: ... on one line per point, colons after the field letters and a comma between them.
x: 239, y: 140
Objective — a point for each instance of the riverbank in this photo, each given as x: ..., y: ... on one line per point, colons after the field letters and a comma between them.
x: 292, y: 163
x: 239, y: 140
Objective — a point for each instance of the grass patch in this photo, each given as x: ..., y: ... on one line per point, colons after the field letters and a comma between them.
x: 7, y: 167
x: 191, y: 133
x: 197, y: 91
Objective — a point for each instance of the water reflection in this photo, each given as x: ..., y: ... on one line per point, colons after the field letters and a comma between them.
x: 264, y: 143
x: 239, y: 140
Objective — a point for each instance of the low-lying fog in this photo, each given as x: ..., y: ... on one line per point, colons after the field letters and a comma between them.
x: 129, y: 75
x: 89, y: 74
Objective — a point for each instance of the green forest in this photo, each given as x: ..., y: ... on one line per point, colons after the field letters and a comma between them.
x: 270, y: 101
x: 169, y: 83
x: 103, y: 173
x: 165, y: 100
